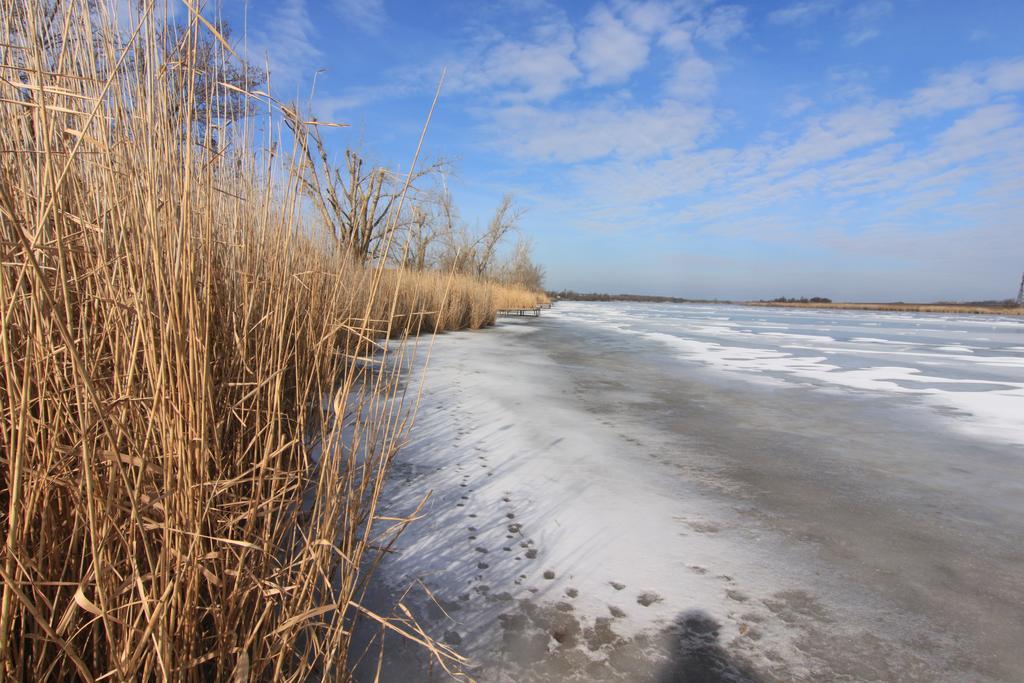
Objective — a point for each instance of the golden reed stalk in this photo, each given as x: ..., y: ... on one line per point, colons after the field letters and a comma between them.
x: 197, y: 408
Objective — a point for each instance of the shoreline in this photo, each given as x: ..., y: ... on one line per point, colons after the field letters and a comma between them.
x: 634, y: 480
x: 896, y: 307
x: 956, y: 309
x: 537, y: 567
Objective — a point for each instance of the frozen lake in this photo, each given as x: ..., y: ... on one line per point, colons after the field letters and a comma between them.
x: 718, y: 493
x: 970, y: 368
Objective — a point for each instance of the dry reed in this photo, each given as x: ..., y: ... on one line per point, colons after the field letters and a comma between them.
x: 197, y: 409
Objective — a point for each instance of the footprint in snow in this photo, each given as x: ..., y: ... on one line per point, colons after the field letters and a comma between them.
x: 648, y: 598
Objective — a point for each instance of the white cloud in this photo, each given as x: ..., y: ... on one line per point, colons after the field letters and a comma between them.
x: 796, y: 105
x: 1007, y: 76
x: 848, y: 84
x: 870, y: 11
x: 614, y: 43
x: 694, y: 79
x: 978, y: 125
x: 865, y: 18
x: 975, y: 163
x: 858, y: 36
x: 337, y: 108
x: 721, y: 25
x: 966, y: 86
x: 950, y: 90
x: 802, y: 12
x: 288, y: 44
x: 498, y: 68
x: 551, y: 57
x: 609, y: 50
x: 540, y: 72
x: 647, y: 17
x: 859, y: 181
x: 676, y: 38
x: 367, y: 15
x: 608, y: 130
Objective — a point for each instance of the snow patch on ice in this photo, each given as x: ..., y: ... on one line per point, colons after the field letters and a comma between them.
x: 867, y: 362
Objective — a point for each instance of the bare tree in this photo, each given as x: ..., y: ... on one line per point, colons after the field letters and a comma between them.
x: 476, y: 253
x: 366, y: 207
x: 203, y: 58
x: 458, y: 245
x: 521, y: 270
x: 421, y: 231
x: 355, y: 203
x: 505, y: 220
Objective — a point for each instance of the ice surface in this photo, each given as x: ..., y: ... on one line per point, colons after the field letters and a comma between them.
x: 932, y: 351
x: 594, y: 498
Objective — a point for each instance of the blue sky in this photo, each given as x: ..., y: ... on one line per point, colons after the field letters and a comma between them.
x: 863, y: 150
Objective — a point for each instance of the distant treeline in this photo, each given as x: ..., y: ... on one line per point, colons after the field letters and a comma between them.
x: 990, y: 303
x: 801, y: 300
x: 1008, y: 303
x: 569, y: 295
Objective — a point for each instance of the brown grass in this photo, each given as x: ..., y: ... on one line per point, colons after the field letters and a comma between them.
x: 197, y: 413
x: 965, y: 309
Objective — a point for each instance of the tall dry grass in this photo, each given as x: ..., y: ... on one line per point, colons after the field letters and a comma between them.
x: 197, y: 409
x: 452, y: 302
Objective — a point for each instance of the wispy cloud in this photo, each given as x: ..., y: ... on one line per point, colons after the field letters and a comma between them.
x: 647, y: 17
x: 966, y: 86
x: 800, y: 13
x: 721, y: 25
x: 865, y: 21
x: 287, y: 43
x: 694, y: 79
x: 536, y: 67
x: 589, y: 133
x: 614, y: 43
x: 796, y: 105
x: 852, y: 171
x: 367, y: 15
x: 533, y: 70
x: 339, y: 107
x: 552, y: 57
x: 847, y: 84
x: 870, y: 11
x: 857, y: 36
x: 610, y: 51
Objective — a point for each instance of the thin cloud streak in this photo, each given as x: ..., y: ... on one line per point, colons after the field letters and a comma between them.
x: 802, y: 13
x: 368, y: 15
